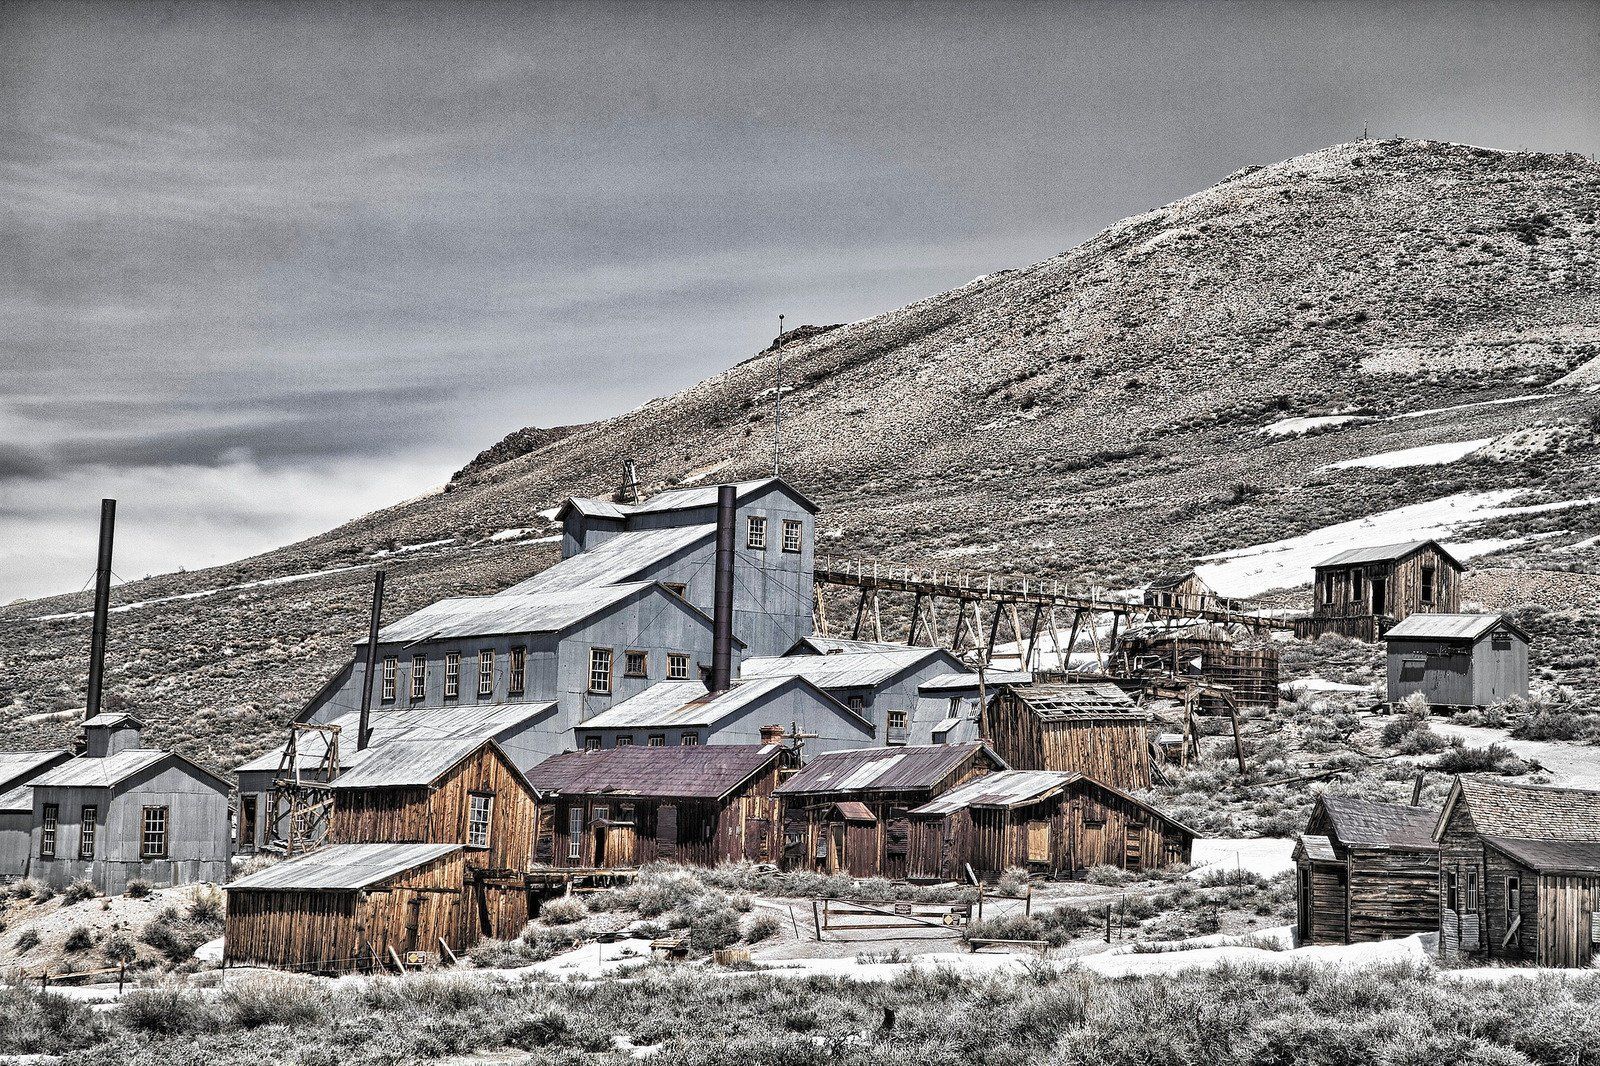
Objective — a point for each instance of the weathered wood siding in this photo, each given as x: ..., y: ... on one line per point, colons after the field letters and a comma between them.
x: 342, y: 930
x: 1392, y: 894
x: 438, y: 814
x: 1062, y: 837
x: 1351, y: 613
x: 622, y: 831
x: 1460, y: 852
x: 1113, y: 749
x: 1567, y: 905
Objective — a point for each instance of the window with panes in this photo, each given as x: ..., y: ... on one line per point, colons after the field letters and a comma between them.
x: 600, y: 670
x: 677, y: 667
x: 575, y: 833
x: 88, y: 826
x: 391, y: 677
x: 793, y: 532
x: 755, y: 533
x: 419, y: 676
x: 452, y: 675
x: 518, y: 679
x: 153, y: 833
x: 48, y: 828
x: 480, y: 808
x: 486, y: 672
x: 636, y: 664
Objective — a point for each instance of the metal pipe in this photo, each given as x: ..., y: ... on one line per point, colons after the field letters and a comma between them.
x: 102, y: 607
x: 722, y: 594
x: 364, y: 731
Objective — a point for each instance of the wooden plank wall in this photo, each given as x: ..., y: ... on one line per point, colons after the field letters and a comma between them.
x: 333, y: 930
x: 1392, y: 894
x: 1115, y: 750
x: 438, y: 815
x: 1566, y: 908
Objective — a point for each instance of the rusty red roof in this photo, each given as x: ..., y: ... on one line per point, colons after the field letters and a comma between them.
x: 677, y: 772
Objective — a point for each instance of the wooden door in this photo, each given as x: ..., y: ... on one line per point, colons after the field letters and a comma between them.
x: 1380, y: 595
x: 1133, y: 847
x: 600, y: 847
x: 836, y: 847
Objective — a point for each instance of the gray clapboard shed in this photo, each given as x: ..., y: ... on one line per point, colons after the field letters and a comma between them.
x: 121, y: 811
x: 1457, y: 660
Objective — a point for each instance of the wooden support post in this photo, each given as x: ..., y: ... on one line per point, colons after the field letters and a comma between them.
x: 861, y: 610
x: 933, y: 621
x: 961, y: 627
x: 398, y: 963
x: 994, y: 631
x: 877, y: 618
x: 1033, y: 637
x: 916, y: 616
x: 1072, y: 639
x: 816, y: 918
x: 1016, y: 628
x: 819, y: 613
x: 446, y: 949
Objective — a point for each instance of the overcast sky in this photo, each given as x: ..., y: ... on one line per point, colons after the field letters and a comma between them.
x: 263, y: 267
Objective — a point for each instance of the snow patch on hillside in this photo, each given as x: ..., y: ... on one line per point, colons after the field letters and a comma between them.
x: 1288, y: 563
x: 1424, y: 455
x: 1294, y: 427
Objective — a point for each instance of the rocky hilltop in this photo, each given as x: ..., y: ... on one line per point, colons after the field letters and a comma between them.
x: 1348, y: 334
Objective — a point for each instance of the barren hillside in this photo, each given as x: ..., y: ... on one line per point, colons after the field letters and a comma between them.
x: 1394, y: 329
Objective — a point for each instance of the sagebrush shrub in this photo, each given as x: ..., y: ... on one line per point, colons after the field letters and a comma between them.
x: 80, y: 890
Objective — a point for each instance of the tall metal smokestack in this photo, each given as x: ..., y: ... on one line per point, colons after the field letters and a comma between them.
x: 722, y: 594
x: 102, y: 606
x: 364, y: 729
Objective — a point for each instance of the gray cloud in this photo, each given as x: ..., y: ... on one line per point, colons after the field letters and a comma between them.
x: 282, y: 235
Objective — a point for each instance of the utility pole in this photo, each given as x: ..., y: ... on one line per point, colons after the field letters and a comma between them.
x: 777, y: 407
x: 102, y: 607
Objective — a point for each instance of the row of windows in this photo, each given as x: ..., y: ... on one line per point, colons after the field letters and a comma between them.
x: 755, y: 534
x: 1379, y: 586
x: 602, y: 662
x: 516, y: 680
x: 1455, y: 897
x: 654, y: 740
x: 152, y: 838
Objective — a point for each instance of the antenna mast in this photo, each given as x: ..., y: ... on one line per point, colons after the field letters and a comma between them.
x: 777, y: 406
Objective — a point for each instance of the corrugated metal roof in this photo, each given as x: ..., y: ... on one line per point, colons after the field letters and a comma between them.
x: 681, y: 499
x: 407, y: 763
x: 18, y: 799
x: 344, y: 867
x: 1552, y: 856
x: 820, y: 645
x: 1005, y: 788
x: 967, y: 679
x: 1364, y: 823
x: 104, y: 772
x: 1529, y: 812
x: 617, y: 559
x: 486, y: 721
x: 1318, y: 848
x: 476, y: 616
x: 1383, y: 553
x: 112, y: 718
x: 682, y: 703
x: 847, y: 669
x: 694, y: 772
x: 1086, y: 699
x: 15, y: 765
x: 905, y: 769
x: 1445, y: 627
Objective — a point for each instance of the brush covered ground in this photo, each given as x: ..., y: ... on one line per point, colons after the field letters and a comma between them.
x: 1114, y: 411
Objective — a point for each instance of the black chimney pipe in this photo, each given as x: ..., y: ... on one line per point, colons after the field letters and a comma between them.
x: 722, y: 594
x: 364, y: 729
x: 102, y: 607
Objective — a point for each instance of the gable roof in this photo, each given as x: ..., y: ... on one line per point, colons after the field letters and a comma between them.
x: 1173, y: 579
x: 1009, y: 789
x: 111, y: 719
x: 866, y: 668
x: 485, y: 721
x: 709, y: 771
x: 534, y: 612
x: 18, y: 766
x: 1551, y: 856
x: 1386, y: 553
x: 1316, y: 848
x: 109, y: 771
x: 1066, y: 700
x: 1364, y: 823
x: 672, y: 704
x: 964, y: 679
x: 1468, y: 627
x: 1524, y: 812
x: 904, y: 769
x: 415, y: 763
x: 683, y: 499
x: 343, y: 867
x: 616, y: 559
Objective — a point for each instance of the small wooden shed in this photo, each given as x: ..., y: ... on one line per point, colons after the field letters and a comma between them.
x: 1050, y: 823
x: 622, y: 807
x: 1182, y: 590
x: 847, y: 811
x: 346, y: 906
x: 1457, y: 660
x: 1519, y: 872
x: 1089, y: 728
x: 1366, y: 870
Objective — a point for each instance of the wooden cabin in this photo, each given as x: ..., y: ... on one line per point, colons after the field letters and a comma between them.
x: 1090, y: 728
x: 1519, y: 873
x: 622, y: 807
x: 1366, y: 871
x: 1051, y: 824
x: 1360, y: 593
x: 347, y: 906
x: 1457, y: 660
x: 847, y: 811
x: 1183, y: 590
